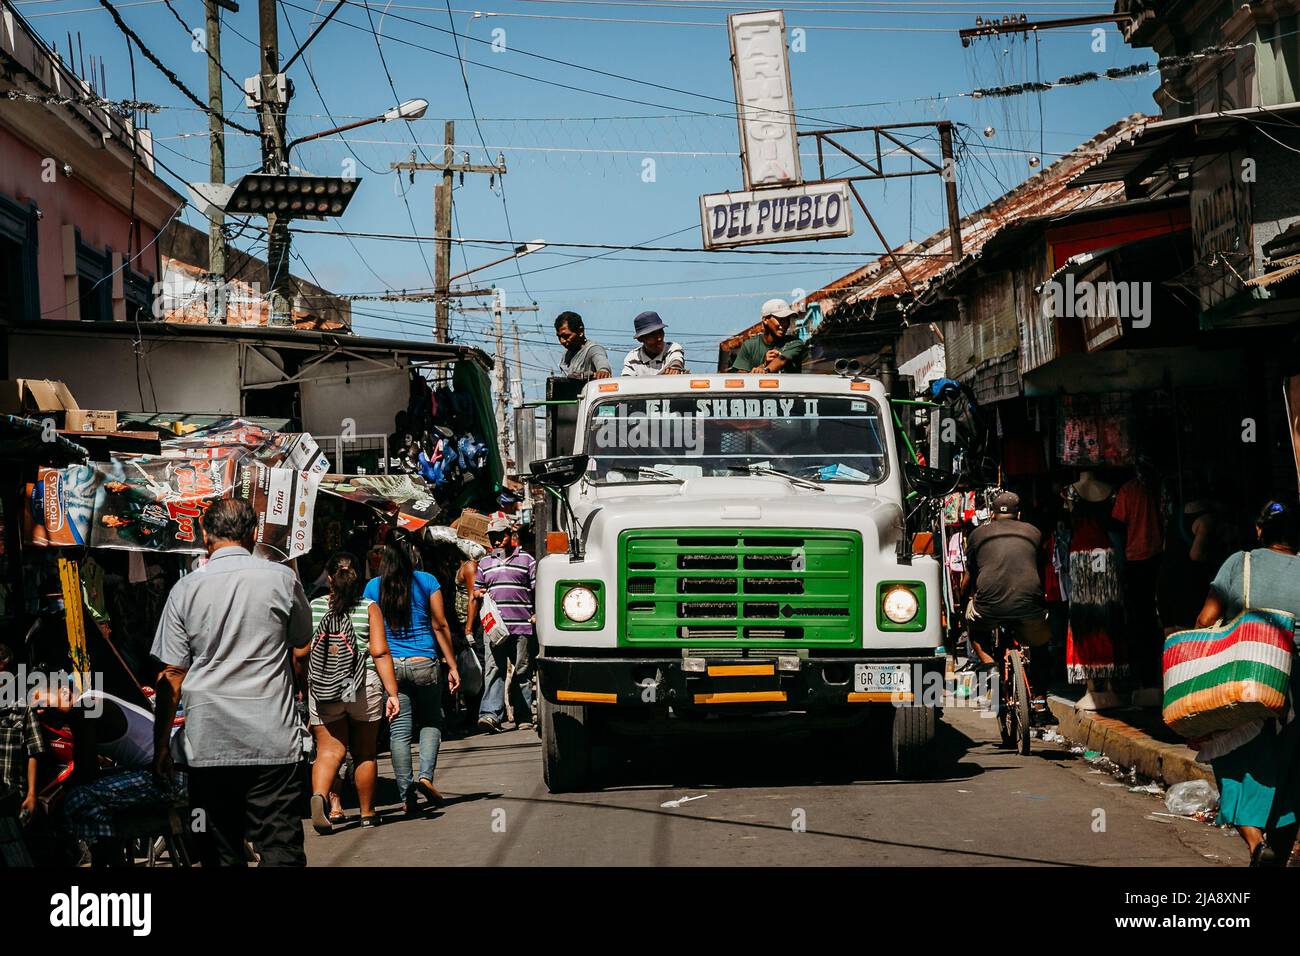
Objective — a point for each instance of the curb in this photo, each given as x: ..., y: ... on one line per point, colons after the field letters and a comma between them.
x: 1127, y: 746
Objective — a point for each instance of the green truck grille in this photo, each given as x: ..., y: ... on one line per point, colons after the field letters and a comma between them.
x: 726, y: 587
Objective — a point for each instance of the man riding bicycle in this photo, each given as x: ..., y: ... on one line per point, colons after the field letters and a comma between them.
x: 1002, y: 562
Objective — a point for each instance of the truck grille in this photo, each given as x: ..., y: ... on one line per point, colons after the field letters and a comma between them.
x: 713, y: 587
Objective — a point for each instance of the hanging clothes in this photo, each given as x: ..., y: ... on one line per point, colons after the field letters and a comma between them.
x: 1095, y: 639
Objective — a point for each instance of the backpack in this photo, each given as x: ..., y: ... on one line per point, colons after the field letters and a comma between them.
x: 336, y: 665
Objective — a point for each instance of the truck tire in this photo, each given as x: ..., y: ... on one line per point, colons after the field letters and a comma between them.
x: 913, y: 743
x: 566, y: 746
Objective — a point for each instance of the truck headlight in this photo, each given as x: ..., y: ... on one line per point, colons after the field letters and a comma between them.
x: 900, y: 604
x: 580, y: 604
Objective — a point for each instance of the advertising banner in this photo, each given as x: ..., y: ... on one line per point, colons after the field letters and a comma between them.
x: 412, y: 497
x: 157, y: 502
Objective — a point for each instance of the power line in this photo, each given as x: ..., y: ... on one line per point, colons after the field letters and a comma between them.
x: 171, y: 77
x: 617, y: 247
x: 469, y: 99
x: 188, y: 29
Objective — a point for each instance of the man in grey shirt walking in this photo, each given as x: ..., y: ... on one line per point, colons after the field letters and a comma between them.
x: 226, y: 638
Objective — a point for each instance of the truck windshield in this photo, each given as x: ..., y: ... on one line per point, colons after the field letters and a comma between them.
x: 825, y: 438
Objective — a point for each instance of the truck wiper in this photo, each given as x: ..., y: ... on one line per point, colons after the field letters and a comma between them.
x: 764, y: 470
x: 649, y: 474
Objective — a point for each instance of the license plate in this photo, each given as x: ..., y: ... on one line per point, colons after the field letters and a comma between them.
x: 882, y: 678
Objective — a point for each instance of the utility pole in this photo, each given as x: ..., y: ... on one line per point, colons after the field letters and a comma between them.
x: 442, y: 218
x: 505, y: 435
x: 516, y: 400
x: 274, y: 101
x: 501, y: 377
x: 442, y: 230
x: 216, y: 161
x: 950, y: 189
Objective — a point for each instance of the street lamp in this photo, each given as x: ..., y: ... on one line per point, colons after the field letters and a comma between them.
x: 408, y: 111
x: 524, y: 249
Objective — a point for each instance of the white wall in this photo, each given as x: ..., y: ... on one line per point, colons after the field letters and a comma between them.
x: 370, y: 400
x: 174, y: 375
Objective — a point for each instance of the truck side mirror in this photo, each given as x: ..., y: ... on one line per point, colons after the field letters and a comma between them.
x: 931, y: 482
x: 559, y: 472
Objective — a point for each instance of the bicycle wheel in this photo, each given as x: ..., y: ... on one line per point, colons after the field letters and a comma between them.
x: 1006, y: 706
x: 1021, y: 695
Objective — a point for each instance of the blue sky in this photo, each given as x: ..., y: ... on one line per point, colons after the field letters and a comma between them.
x: 577, y: 146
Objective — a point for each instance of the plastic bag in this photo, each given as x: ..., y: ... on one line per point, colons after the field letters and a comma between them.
x: 471, y: 672
x: 1191, y: 797
x: 494, y: 629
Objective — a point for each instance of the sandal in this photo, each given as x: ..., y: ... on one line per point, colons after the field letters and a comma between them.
x: 1263, y: 855
x: 319, y: 820
x: 431, y: 794
x: 368, y: 822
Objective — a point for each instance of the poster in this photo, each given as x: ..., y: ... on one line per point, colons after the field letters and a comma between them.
x: 60, y: 506
x: 157, y: 502
x: 411, y: 496
x: 284, y: 500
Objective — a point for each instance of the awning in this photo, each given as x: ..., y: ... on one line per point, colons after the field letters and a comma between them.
x: 1151, y: 146
x: 1289, y: 267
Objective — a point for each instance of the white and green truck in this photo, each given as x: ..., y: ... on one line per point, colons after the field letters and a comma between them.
x: 732, y: 547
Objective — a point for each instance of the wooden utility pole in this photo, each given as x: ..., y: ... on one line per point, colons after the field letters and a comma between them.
x: 442, y: 230
x: 216, y: 162
x: 442, y: 218
x: 950, y: 189
x: 274, y: 159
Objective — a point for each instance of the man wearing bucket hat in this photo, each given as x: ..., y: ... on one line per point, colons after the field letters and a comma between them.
x: 775, y: 350
x: 655, y: 356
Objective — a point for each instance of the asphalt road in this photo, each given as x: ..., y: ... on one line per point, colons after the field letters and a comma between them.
x: 769, y: 800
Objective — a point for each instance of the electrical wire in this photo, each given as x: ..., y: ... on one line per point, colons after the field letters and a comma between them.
x: 172, y: 78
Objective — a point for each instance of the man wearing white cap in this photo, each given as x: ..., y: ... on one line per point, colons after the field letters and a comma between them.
x: 775, y: 350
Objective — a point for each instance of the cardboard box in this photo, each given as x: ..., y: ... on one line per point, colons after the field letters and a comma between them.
x: 90, y: 420
x: 36, y: 398
x: 472, y: 526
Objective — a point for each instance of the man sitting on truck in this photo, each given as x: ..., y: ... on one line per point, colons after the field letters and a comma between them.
x: 1002, y: 562
x: 583, y: 358
x: 775, y: 350
x: 655, y: 356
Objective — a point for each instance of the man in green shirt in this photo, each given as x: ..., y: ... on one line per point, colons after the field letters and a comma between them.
x: 775, y: 350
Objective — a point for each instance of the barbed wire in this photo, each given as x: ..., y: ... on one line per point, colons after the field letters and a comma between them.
x: 123, y: 108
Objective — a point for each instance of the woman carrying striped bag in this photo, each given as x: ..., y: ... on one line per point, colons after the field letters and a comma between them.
x: 1257, y: 765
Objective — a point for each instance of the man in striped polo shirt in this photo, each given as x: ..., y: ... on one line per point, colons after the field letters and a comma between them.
x: 509, y: 576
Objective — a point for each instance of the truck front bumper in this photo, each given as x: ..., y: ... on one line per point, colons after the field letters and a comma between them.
x: 778, y: 682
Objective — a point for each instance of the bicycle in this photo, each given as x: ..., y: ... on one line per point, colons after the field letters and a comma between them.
x: 1015, y: 711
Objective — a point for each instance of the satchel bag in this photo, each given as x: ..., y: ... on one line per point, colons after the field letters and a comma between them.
x: 1222, y: 677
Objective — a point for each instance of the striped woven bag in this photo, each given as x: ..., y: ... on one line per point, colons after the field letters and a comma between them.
x: 1217, y: 678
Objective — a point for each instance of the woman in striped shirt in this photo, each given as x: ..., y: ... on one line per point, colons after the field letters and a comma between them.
x: 347, y: 717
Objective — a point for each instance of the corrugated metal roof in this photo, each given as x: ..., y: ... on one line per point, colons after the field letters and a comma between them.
x: 929, y: 261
